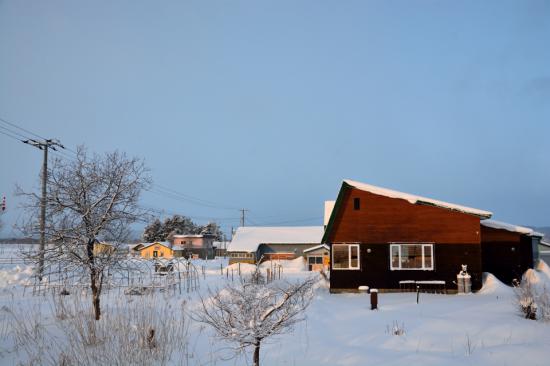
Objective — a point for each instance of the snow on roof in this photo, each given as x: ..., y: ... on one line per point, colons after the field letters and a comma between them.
x: 417, y: 199
x: 505, y: 226
x: 188, y: 235
x: 324, y: 246
x: 163, y: 243
x: 329, y: 206
x: 247, y: 239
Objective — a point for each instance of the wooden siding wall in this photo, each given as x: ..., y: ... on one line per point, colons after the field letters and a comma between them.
x: 505, y: 254
x: 382, y: 219
x: 167, y: 253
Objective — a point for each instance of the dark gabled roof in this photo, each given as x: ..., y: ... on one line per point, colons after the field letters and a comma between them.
x: 413, y: 199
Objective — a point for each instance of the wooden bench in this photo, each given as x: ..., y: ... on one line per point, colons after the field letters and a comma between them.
x: 433, y: 286
x: 407, y: 285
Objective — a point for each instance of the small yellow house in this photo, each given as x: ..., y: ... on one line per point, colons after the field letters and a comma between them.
x: 156, y: 250
x: 103, y: 248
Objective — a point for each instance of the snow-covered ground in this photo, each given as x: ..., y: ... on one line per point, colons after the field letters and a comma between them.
x: 480, y: 329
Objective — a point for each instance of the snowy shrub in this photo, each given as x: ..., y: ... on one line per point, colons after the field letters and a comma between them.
x: 396, y: 329
x: 533, y: 302
x: 469, y: 345
x: 543, y: 302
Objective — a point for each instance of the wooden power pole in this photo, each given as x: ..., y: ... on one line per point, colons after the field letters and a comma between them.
x: 43, y: 145
x: 242, y: 216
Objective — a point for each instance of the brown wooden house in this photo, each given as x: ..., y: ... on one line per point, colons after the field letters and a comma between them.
x: 383, y: 238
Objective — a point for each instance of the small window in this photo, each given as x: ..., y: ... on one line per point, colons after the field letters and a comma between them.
x: 345, y: 256
x: 155, y: 254
x: 357, y: 203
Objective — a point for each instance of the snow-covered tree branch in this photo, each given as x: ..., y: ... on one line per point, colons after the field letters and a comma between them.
x: 88, y: 199
x: 250, y: 312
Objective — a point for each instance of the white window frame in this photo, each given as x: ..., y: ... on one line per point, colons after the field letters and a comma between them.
x: 424, y: 268
x: 349, y: 258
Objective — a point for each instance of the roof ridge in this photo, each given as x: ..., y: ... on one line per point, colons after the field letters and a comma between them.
x: 415, y: 199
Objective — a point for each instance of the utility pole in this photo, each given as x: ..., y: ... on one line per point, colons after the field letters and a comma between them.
x: 242, y: 216
x: 44, y: 146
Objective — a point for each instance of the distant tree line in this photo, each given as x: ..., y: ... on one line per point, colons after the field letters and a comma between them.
x: 178, y: 225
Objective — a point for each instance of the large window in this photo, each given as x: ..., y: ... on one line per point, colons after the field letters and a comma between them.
x: 411, y: 256
x: 345, y: 256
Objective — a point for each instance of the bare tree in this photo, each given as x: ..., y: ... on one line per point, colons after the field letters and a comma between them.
x: 252, y: 311
x: 89, y: 198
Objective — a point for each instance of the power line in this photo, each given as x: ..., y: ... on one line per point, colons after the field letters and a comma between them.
x: 185, y: 198
x: 12, y: 136
x: 171, y: 212
x: 199, y: 200
x: 291, y: 221
x: 12, y: 132
x: 21, y: 128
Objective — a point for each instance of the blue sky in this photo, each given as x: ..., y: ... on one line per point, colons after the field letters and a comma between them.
x: 268, y: 105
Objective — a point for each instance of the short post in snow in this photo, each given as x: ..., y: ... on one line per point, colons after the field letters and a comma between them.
x: 373, y: 299
x: 417, y: 293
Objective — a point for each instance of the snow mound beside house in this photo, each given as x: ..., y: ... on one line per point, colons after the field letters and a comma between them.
x: 244, y: 267
x: 544, y: 269
x: 289, y: 266
x: 492, y: 285
x: 531, y: 276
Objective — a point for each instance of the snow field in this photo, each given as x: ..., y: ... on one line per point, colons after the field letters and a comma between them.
x: 479, y: 329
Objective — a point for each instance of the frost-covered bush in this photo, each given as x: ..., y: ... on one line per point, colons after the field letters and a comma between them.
x: 525, y: 299
x: 396, y: 329
x: 543, y: 301
x: 532, y: 298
